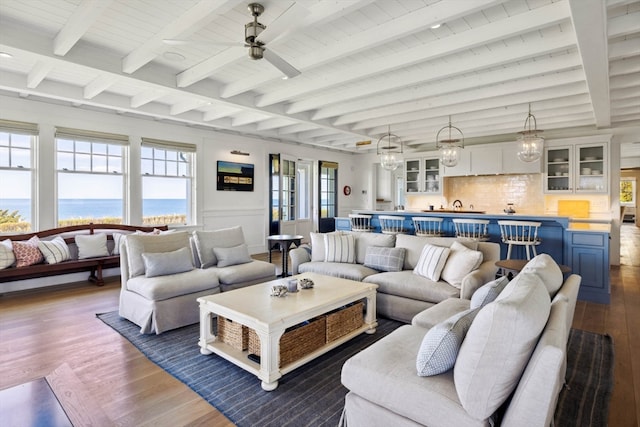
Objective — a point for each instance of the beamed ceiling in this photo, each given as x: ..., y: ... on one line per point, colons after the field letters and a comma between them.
x: 365, y: 65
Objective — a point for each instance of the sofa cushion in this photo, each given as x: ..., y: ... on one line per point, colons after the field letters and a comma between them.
x: 499, y: 343
x: 408, y: 285
x: 7, y: 258
x: 366, y: 240
x: 92, y: 245
x: 488, y: 292
x: 385, y: 374
x: 440, y: 345
x: 384, y: 259
x: 440, y: 312
x: 205, y: 241
x: 150, y: 243
x: 461, y: 261
x: 55, y: 250
x: 548, y: 270
x: 536, y: 395
x: 173, y: 285
x: 340, y: 248
x: 414, y: 245
x: 164, y: 263
x: 337, y: 269
x: 27, y: 253
x: 232, y: 256
x: 241, y: 273
x: 431, y: 262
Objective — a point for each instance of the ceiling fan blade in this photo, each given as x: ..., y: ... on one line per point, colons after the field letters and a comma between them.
x: 179, y: 42
x: 287, y: 69
x: 290, y: 20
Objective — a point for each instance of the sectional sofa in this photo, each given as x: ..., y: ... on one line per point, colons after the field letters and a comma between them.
x: 498, y: 360
x: 390, y: 262
x: 163, y: 275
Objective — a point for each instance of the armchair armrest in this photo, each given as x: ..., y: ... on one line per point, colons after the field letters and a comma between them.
x: 298, y: 256
x: 477, y: 278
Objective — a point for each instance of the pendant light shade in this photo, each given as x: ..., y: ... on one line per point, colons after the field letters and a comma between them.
x: 390, y: 149
x: 450, y: 145
x: 530, y: 144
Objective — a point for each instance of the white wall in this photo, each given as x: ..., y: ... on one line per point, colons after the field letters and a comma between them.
x: 214, y: 209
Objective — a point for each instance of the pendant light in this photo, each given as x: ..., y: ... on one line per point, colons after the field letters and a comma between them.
x: 529, y: 143
x: 450, y: 147
x: 391, y: 151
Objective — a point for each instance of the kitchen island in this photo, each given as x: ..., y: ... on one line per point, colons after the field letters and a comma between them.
x: 582, y: 246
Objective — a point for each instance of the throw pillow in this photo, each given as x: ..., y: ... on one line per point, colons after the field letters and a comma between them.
x: 27, y: 253
x: 547, y: 269
x: 232, y: 256
x: 117, y: 240
x: 165, y: 263
x: 7, y: 258
x: 92, y: 245
x: 440, y: 346
x: 488, y: 292
x: 431, y: 262
x: 384, y: 259
x: 205, y: 241
x: 340, y: 248
x: 461, y: 261
x: 54, y: 250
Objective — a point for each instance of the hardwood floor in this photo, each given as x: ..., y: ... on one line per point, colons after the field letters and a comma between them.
x: 43, y: 330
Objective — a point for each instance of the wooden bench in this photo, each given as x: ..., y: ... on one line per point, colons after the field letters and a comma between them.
x: 74, y: 265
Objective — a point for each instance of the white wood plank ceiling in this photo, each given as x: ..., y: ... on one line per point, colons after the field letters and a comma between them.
x: 365, y: 65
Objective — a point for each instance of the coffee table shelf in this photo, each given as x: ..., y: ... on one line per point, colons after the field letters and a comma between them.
x: 270, y: 317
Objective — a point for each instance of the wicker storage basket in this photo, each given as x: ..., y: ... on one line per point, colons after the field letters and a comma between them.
x: 296, y: 342
x: 233, y: 333
x: 344, y: 320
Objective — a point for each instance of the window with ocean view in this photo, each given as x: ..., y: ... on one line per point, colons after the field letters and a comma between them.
x: 17, y: 141
x: 90, y: 177
x: 167, y: 180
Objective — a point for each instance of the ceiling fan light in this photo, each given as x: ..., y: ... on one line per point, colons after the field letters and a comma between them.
x: 256, y: 51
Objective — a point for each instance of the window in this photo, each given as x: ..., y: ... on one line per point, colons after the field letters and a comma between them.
x: 167, y: 182
x: 17, y: 141
x: 328, y: 196
x: 90, y: 177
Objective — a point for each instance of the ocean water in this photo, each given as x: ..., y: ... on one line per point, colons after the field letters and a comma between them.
x: 98, y: 208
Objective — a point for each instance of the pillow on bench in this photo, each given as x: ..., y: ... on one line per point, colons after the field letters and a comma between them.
x: 92, y: 245
x: 7, y: 258
x: 27, y: 253
x: 54, y: 250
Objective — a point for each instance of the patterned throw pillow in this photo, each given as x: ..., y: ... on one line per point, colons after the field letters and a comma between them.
x: 27, y: 253
x: 92, y: 245
x: 441, y: 344
x: 384, y: 259
x: 461, y: 262
x: 7, y: 258
x: 54, y: 250
x: 340, y: 248
x: 488, y: 292
x: 431, y: 262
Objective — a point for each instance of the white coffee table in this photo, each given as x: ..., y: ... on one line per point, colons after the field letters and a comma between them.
x: 269, y: 317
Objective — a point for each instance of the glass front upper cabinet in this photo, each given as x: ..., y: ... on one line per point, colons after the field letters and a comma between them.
x: 423, y: 176
x: 580, y: 168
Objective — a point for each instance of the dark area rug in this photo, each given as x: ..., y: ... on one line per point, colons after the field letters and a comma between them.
x: 584, y: 401
x: 314, y: 393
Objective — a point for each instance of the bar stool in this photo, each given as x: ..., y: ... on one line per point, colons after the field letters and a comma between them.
x: 392, y: 224
x: 427, y: 226
x: 471, y: 229
x: 361, y: 222
x: 520, y: 233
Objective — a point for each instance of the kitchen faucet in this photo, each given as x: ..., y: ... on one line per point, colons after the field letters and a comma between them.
x: 457, y: 204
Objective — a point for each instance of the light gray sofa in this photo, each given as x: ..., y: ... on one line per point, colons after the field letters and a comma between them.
x: 509, y: 370
x: 162, y: 276
x: 401, y: 294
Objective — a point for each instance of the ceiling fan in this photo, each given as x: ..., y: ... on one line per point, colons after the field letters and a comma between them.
x: 257, y: 47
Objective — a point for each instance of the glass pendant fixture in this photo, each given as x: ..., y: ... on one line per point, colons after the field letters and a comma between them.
x: 530, y: 144
x: 450, y: 146
x: 390, y: 150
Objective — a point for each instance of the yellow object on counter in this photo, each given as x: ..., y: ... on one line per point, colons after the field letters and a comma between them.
x: 574, y: 208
